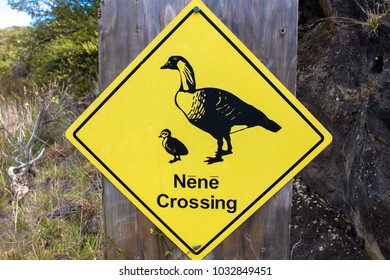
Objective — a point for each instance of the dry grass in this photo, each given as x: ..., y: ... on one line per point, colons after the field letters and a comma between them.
x: 60, y: 217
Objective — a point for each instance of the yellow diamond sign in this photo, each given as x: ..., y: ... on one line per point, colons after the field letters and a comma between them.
x: 197, y: 133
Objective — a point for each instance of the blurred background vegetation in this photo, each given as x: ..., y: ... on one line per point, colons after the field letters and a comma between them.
x: 62, y: 45
x: 48, y: 76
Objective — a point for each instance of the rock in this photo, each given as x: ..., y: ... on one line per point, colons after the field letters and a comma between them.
x: 344, y: 80
x: 385, y: 24
x: 319, y: 231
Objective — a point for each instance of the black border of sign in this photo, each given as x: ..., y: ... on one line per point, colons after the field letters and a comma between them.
x: 322, y: 138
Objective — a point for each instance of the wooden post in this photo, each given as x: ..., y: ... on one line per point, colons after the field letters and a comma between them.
x: 269, y: 30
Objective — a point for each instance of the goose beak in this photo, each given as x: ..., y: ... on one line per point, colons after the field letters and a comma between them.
x: 166, y: 65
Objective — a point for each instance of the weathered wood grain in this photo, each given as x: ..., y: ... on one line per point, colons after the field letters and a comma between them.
x: 269, y: 30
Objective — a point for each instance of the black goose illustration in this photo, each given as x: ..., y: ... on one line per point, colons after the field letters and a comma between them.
x: 214, y: 110
x: 173, y: 146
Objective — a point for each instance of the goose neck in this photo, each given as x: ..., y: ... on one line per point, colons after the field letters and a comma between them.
x: 187, y: 77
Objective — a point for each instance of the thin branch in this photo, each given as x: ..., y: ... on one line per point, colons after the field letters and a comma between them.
x: 15, y: 159
x: 34, y: 134
x: 295, y: 246
x: 11, y: 170
x: 248, y: 237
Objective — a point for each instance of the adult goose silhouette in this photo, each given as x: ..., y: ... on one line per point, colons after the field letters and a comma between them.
x: 214, y: 110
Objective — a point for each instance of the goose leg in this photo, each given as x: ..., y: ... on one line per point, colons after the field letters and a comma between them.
x: 222, y: 152
x: 220, y: 144
x: 229, y: 145
x: 218, y: 154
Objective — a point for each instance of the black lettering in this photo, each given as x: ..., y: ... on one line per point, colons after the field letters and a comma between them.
x: 164, y: 201
x: 214, y: 184
x: 173, y: 199
x: 204, y: 203
x: 159, y: 201
x: 194, y: 203
x: 231, y: 205
x: 182, y: 205
x: 191, y: 183
x: 218, y: 202
x: 200, y: 180
x: 177, y: 179
x: 212, y: 202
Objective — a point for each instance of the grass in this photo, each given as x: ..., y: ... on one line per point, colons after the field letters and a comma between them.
x: 372, y: 23
x: 60, y: 217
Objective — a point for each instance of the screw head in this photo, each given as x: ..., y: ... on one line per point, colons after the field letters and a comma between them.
x: 196, y: 246
x: 196, y: 9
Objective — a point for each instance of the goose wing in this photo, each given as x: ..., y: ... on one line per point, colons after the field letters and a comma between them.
x: 176, y: 147
x: 228, y: 107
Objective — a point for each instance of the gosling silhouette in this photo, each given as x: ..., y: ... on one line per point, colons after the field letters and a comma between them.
x: 173, y: 146
x: 214, y: 110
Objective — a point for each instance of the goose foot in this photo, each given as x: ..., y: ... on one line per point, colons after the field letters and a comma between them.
x: 211, y: 160
x: 174, y: 160
x: 218, y: 156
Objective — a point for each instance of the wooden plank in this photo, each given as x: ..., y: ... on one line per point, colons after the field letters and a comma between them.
x: 269, y: 30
